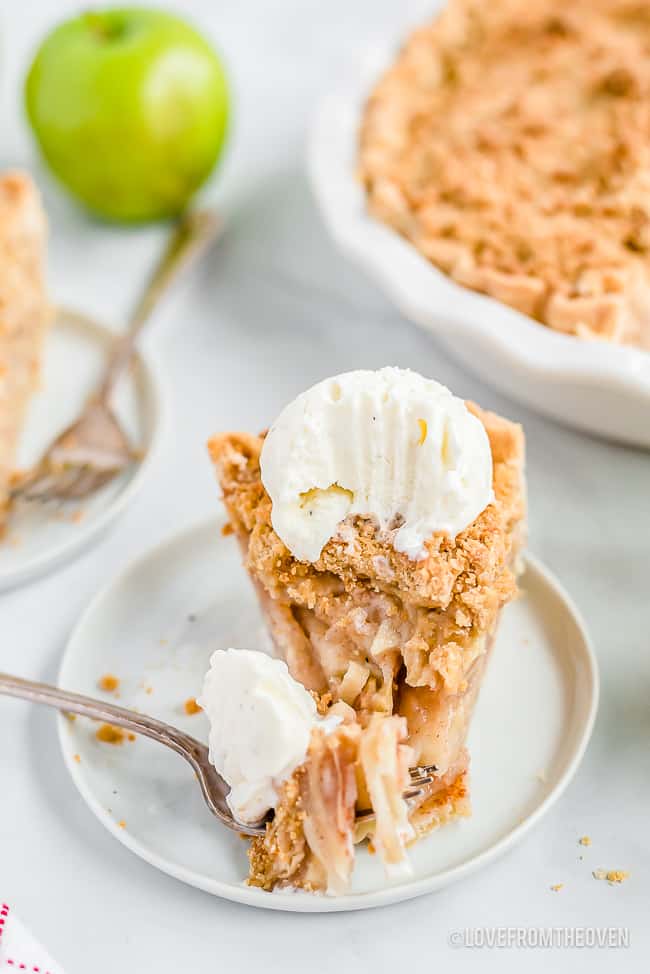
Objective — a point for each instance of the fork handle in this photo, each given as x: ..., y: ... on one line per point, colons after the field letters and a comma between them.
x: 192, y: 235
x: 75, y: 703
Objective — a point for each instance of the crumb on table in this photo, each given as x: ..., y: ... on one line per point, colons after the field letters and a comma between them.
x: 611, y: 875
x: 108, y: 683
x: 191, y: 706
x: 122, y: 824
x: 77, y: 758
x: 584, y: 840
x: 109, y: 734
x: 557, y: 887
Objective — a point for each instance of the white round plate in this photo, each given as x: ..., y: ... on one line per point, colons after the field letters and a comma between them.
x: 155, y: 627
x: 594, y: 386
x: 40, y: 537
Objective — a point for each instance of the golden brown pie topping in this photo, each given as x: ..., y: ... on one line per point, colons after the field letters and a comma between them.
x: 509, y: 143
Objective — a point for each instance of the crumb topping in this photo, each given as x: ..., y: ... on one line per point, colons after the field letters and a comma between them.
x: 471, y: 569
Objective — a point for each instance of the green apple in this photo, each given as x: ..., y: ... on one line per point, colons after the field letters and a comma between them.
x: 129, y: 107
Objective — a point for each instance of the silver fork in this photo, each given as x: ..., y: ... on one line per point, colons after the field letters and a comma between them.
x: 212, y: 785
x: 94, y: 449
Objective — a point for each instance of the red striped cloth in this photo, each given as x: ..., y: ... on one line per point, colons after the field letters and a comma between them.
x: 19, y: 951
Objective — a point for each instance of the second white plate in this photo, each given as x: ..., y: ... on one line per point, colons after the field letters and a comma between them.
x: 155, y: 627
x: 39, y: 538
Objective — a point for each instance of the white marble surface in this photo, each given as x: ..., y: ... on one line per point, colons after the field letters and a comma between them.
x: 276, y: 309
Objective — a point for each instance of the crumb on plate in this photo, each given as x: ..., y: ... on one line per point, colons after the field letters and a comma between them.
x: 108, y: 683
x: 191, y: 706
x: 109, y: 734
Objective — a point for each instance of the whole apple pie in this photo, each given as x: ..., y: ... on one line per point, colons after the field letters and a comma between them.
x: 509, y: 143
x: 402, y: 515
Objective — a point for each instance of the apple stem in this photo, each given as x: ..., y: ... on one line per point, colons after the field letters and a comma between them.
x: 101, y: 26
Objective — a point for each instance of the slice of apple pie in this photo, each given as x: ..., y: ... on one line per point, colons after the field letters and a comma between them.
x: 380, y: 520
x: 24, y: 312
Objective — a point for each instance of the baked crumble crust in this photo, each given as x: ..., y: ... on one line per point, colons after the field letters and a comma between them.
x: 24, y: 311
x: 509, y: 142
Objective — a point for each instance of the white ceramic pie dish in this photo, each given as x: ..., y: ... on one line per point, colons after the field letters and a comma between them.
x: 594, y: 386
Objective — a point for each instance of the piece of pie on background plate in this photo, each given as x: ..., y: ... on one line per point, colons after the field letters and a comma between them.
x: 509, y: 143
x: 380, y: 520
x: 24, y: 312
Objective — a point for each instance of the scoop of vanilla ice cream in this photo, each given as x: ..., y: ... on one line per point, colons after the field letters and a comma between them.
x: 261, y: 720
x: 388, y: 444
